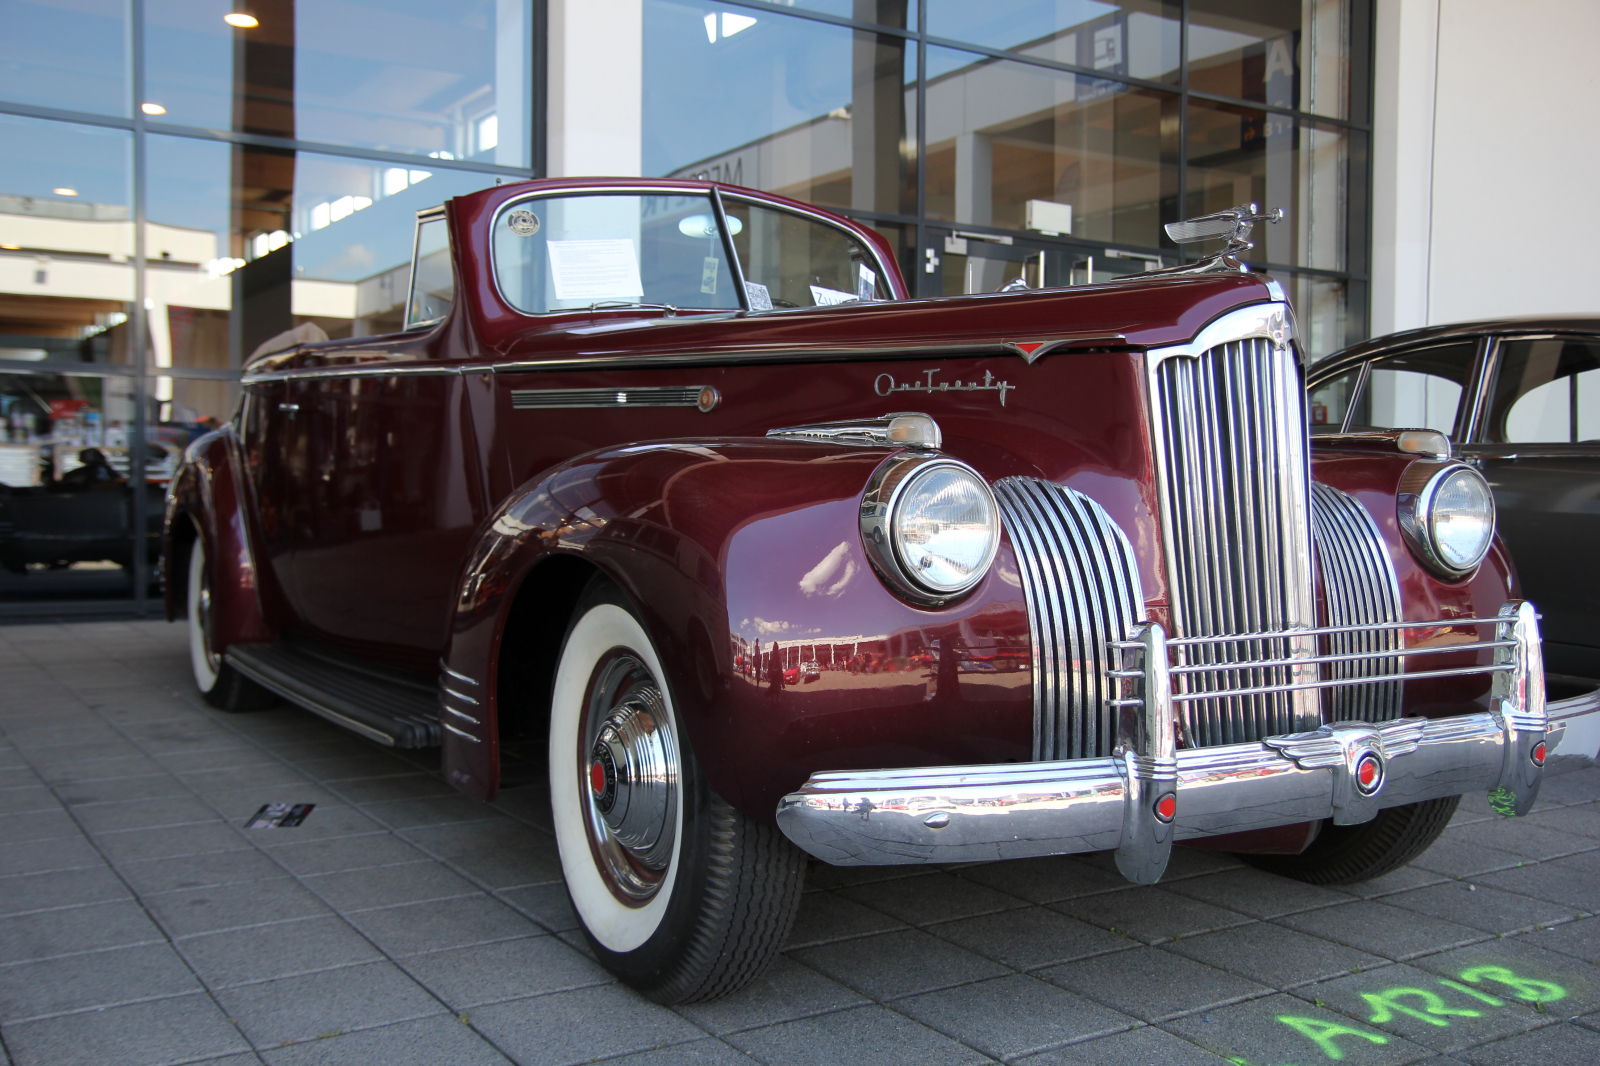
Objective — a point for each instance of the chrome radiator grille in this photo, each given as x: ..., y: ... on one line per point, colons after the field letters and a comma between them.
x: 1361, y: 588
x: 1228, y: 428
x: 1081, y: 582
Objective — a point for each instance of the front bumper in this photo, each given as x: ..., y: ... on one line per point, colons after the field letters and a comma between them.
x: 1148, y: 795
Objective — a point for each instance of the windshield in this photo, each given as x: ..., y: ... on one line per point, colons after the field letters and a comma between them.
x: 559, y: 252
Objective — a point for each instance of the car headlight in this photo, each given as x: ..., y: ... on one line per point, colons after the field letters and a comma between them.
x: 1447, y: 515
x: 930, y: 526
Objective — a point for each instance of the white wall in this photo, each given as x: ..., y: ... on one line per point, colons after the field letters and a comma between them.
x: 1485, y: 160
x: 596, y: 80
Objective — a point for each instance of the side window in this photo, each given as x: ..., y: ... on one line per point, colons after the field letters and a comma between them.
x: 1547, y: 391
x: 433, y: 279
x: 1419, y: 389
x: 1330, y: 401
x: 793, y: 261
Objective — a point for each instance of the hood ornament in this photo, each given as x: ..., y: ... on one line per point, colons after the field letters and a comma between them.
x: 1233, y: 225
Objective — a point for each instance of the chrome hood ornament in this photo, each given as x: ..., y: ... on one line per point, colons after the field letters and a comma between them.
x: 1233, y: 225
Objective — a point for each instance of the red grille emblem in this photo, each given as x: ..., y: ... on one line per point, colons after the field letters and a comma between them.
x: 597, y: 778
x: 1369, y: 774
x: 1538, y: 754
x: 1166, y: 807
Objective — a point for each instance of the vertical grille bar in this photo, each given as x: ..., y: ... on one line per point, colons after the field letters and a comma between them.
x: 1359, y: 582
x: 1230, y: 434
x: 1081, y: 582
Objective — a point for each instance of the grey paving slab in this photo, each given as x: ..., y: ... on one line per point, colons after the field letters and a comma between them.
x: 1145, y: 1046
x: 449, y: 841
x: 1524, y: 839
x: 1402, y: 880
x: 102, y: 818
x: 1391, y: 932
x: 1152, y: 984
x: 332, y: 855
x: 97, y: 979
x: 1282, y: 1029
x: 328, y: 821
x: 46, y: 934
x: 1045, y: 880
x: 1256, y: 892
x: 581, y: 1025
x: 901, y: 963
x: 37, y: 825
x: 284, y: 949
x: 265, y: 774
x: 441, y: 1040
x: 938, y: 897
x: 130, y: 845
x: 1149, y: 914
x: 385, y: 886
x: 98, y: 771
x: 1580, y: 939
x: 1460, y: 856
x: 1030, y: 938
x: 333, y: 1001
x: 1580, y: 821
x: 121, y: 790
x: 1517, y: 970
x: 825, y: 917
x: 1580, y: 787
x: 1482, y: 907
x: 786, y: 992
x: 193, y: 911
x: 1011, y: 1016
x: 512, y: 969
x: 441, y: 924
x: 1275, y: 955
x: 862, y: 1035
x: 150, y: 877
x: 1572, y: 881
x: 182, y: 1029
x: 429, y: 811
x: 511, y: 868
x: 699, y: 1053
x: 27, y: 800
x: 1423, y: 1008
x: 22, y: 893
x: 410, y: 787
x: 1542, y: 1047
x: 548, y: 905
x: 336, y: 768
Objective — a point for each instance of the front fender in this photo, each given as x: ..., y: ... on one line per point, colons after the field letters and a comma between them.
x: 736, y: 552
x: 208, y: 491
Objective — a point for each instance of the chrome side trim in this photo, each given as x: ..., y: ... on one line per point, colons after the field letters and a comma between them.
x: 644, y: 396
x: 1360, y: 586
x: 1080, y: 580
x: 458, y: 675
x: 448, y: 691
x: 459, y: 714
x: 903, y: 429
x: 1228, y: 436
x: 460, y: 733
x: 1347, y: 771
x: 365, y: 370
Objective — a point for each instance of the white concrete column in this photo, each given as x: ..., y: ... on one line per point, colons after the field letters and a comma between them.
x: 1404, y: 83
x: 596, y: 104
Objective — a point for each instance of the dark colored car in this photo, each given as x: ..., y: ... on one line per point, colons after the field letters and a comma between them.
x: 1521, y: 400
x: 643, y: 437
x: 84, y: 516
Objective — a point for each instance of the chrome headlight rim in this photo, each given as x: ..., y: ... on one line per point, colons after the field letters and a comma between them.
x: 1418, y: 491
x: 884, y: 493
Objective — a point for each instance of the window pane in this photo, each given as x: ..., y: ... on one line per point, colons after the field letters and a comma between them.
x: 446, y: 80
x: 1330, y: 401
x: 1002, y: 134
x: 1327, y: 316
x: 816, y: 112
x: 1546, y: 392
x: 246, y: 243
x: 433, y: 279
x: 583, y: 251
x: 1417, y: 390
x: 72, y: 56
x: 1134, y: 37
x: 1286, y: 53
x: 1239, y: 155
x: 792, y: 261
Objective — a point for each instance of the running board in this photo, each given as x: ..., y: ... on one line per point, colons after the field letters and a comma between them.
x: 392, y: 707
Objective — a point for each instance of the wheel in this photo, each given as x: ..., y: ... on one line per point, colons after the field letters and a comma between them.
x: 220, y: 684
x: 680, y: 895
x: 1345, y: 854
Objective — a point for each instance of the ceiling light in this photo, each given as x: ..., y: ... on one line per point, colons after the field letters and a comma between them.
x: 11, y: 247
x: 65, y: 192
x: 152, y: 109
x: 241, y: 20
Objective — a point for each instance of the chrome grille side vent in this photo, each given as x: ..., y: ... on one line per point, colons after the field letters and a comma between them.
x: 1229, y: 440
x: 1081, y: 582
x: 1360, y: 585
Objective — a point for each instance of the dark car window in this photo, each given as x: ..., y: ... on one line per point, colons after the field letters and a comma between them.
x: 1547, y: 391
x: 1419, y: 389
x: 557, y: 252
x: 790, y: 260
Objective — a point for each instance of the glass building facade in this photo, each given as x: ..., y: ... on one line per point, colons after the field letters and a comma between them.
x: 186, y: 180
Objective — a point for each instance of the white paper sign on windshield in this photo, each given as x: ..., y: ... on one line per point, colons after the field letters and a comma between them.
x: 826, y: 297
x: 595, y: 270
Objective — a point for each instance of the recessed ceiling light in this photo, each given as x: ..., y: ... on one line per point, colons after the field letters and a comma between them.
x: 241, y: 20
x: 152, y: 109
x: 11, y: 247
x: 65, y: 192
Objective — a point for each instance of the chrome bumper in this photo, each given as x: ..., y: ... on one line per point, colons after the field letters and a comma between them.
x: 1139, y: 802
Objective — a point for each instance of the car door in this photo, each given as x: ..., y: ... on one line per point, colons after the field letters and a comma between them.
x: 1538, y: 443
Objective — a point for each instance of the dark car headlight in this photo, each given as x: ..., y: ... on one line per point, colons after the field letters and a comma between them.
x: 1447, y: 514
x: 930, y: 525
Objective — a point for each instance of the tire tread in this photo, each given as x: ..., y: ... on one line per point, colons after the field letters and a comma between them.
x: 1347, y: 854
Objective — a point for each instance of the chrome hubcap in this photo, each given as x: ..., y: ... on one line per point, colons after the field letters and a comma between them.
x: 629, y: 775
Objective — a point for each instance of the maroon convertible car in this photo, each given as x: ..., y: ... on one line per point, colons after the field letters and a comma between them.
x: 1061, y: 569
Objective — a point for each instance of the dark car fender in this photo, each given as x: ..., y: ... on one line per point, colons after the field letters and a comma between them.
x: 726, y: 545
x: 208, y: 498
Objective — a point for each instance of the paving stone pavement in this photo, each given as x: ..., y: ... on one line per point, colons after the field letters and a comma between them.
x: 142, y: 924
